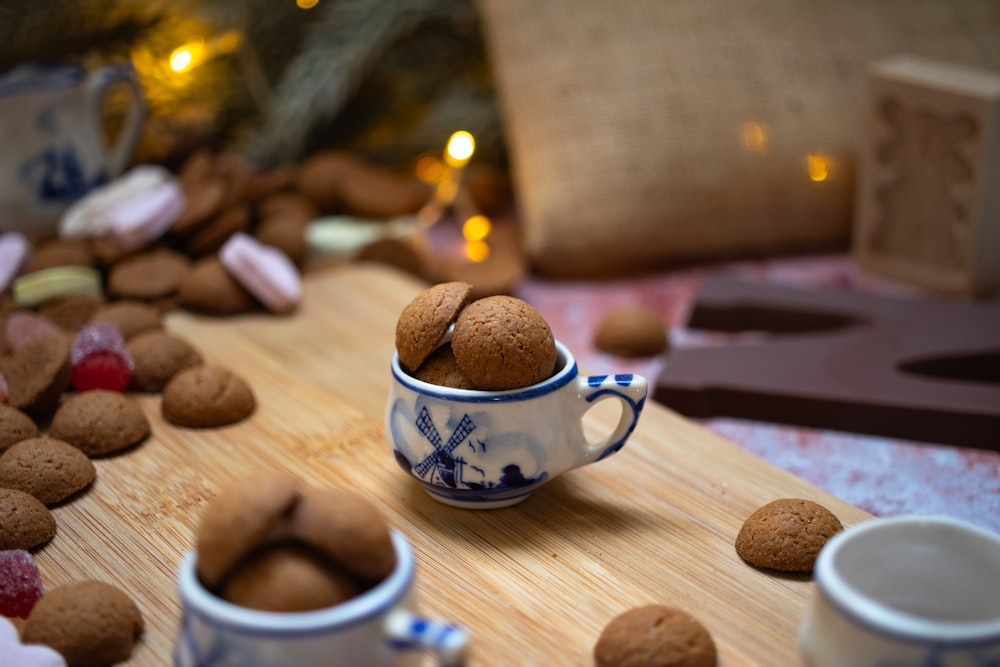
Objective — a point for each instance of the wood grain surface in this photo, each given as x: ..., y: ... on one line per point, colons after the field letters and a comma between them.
x: 534, y: 583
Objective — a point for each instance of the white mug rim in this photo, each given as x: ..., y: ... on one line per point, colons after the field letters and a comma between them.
x: 380, y: 599
x: 884, y: 619
x: 555, y: 381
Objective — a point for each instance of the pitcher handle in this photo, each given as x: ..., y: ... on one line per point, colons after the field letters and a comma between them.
x: 445, y: 641
x: 630, y: 390
x: 99, y: 82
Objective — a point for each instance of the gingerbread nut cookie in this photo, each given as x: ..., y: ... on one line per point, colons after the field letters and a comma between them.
x: 15, y: 426
x: 49, y: 469
x: 441, y: 368
x: 655, y: 636
x: 87, y: 622
x: 132, y: 317
x: 632, y: 331
x: 158, y: 356
x: 425, y: 320
x: 786, y: 534
x: 502, y: 342
x: 207, y: 397
x: 100, y: 422
x: 25, y: 522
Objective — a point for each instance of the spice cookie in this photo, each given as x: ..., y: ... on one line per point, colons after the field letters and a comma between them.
x: 15, y: 426
x: 60, y: 252
x: 100, y: 422
x: 786, y: 534
x: 72, y: 311
x: 655, y: 636
x: 238, y: 519
x: 148, y: 276
x: 633, y: 331
x: 207, y: 397
x: 423, y: 323
x: 158, y: 356
x: 25, y: 522
x: 502, y: 342
x: 37, y: 373
x: 49, y: 469
x: 289, y: 578
x: 209, y: 288
x: 87, y: 622
x: 441, y: 368
x: 130, y: 316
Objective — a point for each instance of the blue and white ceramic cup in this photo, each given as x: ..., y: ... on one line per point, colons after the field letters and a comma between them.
x: 379, y: 628
x: 488, y: 449
x: 906, y: 592
x: 53, y: 139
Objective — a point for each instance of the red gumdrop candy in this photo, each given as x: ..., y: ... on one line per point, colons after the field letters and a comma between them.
x: 100, y: 358
x: 20, y: 583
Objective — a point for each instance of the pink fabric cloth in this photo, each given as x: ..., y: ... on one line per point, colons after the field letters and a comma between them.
x: 883, y: 476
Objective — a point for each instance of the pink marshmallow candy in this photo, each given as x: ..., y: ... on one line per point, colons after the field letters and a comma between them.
x: 263, y: 270
x: 13, y: 652
x: 14, y: 253
x: 140, y: 220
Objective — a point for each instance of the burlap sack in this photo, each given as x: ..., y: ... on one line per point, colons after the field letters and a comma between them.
x: 646, y: 132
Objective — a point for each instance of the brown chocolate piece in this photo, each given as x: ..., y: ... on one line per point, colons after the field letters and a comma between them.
x: 921, y: 369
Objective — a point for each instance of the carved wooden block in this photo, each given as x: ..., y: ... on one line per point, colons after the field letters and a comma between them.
x: 928, y: 195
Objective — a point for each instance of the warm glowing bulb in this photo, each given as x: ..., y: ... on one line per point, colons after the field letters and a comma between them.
x: 476, y: 228
x: 818, y: 167
x: 181, y: 59
x: 228, y: 42
x: 477, y: 251
x: 306, y: 4
x: 755, y: 137
x: 460, y: 148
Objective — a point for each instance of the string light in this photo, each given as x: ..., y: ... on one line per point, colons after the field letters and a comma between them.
x: 818, y: 167
x: 306, y: 4
x: 460, y: 148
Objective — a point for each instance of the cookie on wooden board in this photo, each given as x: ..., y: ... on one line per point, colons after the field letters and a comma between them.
x: 25, y: 522
x: 786, y: 534
x: 158, y: 356
x: 655, y: 636
x: 100, y: 422
x: 15, y: 426
x: 207, y: 397
x: 49, y: 469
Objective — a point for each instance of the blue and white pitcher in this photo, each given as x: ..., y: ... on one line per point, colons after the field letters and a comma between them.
x: 53, y: 147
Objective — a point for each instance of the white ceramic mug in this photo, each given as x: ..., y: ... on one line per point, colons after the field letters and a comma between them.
x: 902, y: 592
x: 488, y: 449
x: 53, y: 142
x: 379, y: 628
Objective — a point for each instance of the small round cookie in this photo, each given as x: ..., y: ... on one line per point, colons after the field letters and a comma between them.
x: 211, y: 237
x: 209, y: 288
x: 655, y: 636
x: 288, y: 578
x: 158, y: 356
x: 348, y: 528
x: 72, y: 311
x: 130, y: 316
x: 786, y: 534
x: 25, y: 522
x: 49, y: 469
x: 37, y: 373
x: 60, y: 252
x: 87, y: 622
x: 148, y: 276
x: 207, y: 397
x: 237, y: 519
x: 15, y: 426
x: 100, y: 422
x: 502, y: 342
x: 633, y: 331
x: 441, y: 368
x: 424, y: 321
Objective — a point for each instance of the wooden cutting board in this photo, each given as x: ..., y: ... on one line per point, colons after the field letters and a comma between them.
x: 534, y: 583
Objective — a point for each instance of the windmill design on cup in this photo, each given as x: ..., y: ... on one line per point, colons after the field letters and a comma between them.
x: 447, y: 467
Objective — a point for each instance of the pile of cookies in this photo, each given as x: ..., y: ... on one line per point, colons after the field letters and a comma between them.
x: 494, y: 343
x: 268, y: 542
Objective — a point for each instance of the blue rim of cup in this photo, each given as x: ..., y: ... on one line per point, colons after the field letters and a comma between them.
x: 198, y: 602
x: 40, y: 77
x: 567, y: 371
x: 885, y: 620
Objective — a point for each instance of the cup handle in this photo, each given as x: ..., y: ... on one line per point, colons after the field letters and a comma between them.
x: 98, y: 83
x: 631, y: 390
x: 407, y: 631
